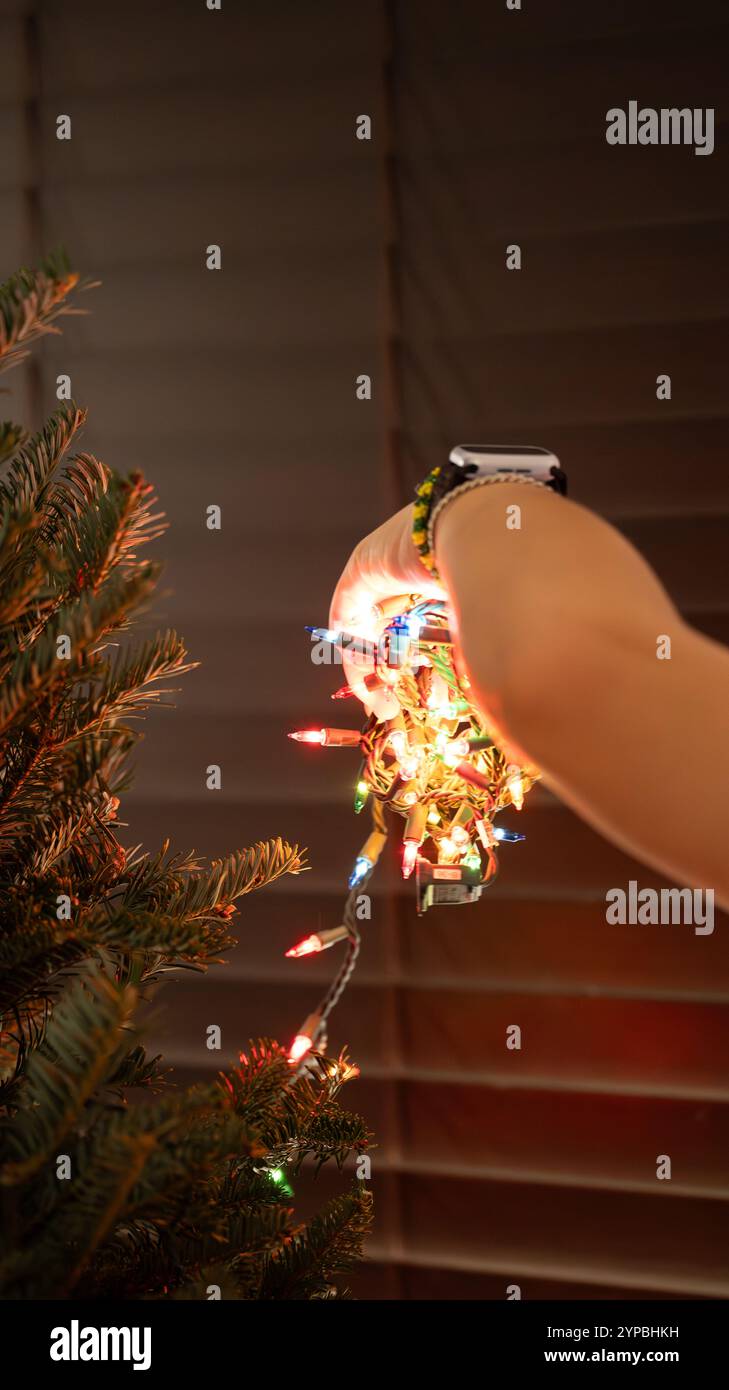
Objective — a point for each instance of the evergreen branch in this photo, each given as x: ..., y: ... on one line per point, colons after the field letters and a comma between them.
x: 331, y: 1244
x: 92, y: 770
x: 82, y: 1040
x: 137, y: 1070
x: 300, y: 1114
x: 37, y: 671
x: 242, y: 872
x: 167, y: 938
x: 30, y: 303
x: 30, y: 960
x: 97, y: 540
x: 12, y: 437
x: 122, y: 687
x: 25, y: 486
x: 168, y: 1151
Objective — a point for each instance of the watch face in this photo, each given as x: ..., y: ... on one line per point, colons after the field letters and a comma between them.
x: 495, y: 450
x: 490, y: 460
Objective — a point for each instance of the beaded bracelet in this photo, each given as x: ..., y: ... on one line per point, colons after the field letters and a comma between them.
x: 421, y: 515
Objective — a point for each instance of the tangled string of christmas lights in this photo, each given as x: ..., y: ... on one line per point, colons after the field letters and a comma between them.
x: 434, y: 763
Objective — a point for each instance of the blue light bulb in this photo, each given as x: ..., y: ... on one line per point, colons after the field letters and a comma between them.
x: 362, y: 866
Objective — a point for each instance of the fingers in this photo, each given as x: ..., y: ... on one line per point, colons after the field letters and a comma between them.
x: 383, y: 565
x: 381, y: 575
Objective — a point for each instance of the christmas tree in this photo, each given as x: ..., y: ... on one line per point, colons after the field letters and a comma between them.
x: 114, y: 1182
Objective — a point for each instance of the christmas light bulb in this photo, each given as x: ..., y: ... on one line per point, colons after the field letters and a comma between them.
x: 308, y: 947
x: 399, y: 744
x: 304, y: 1040
x: 361, y: 792
x: 452, y: 750
x: 299, y: 1047
x: 362, y: 866
x: 447, y: 849
x: 345, y: 692
x: 509, y: 837
x: 329, y: 738
x: 346, y: 641
x: 318, y: 941
x: 438, y: 694
x: 409, y: 798
x: 515, y: 786
x: 397, y: 643
x: 323, y: 634
x: 433, y: 816
x: 459, y: 835
x: 409, y: 856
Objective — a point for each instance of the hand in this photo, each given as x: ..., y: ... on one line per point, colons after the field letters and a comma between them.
x: 383, y: 567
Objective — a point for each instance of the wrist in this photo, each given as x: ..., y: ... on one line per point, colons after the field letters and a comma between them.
x: 475, y: 466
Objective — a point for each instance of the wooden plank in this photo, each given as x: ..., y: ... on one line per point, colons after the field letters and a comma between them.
x: 565, y: 189
x: 316, y: 477
x: 506, y: 947
x: 233, y: 131
x: 15, y: 161
x: 540, y: 380
x: 16, y: 75
x: 13, y: 233
x: 261, y: 395
x: 628, y: 1239
x: 299, y: 211
x: 254, y: 303
x: 382, y: 1279
x: 601, y: 1143
x: 647, y: 275
x: 599, y: 1045
x: 153, y: 44
x: 509, y: 98
x: 427, y: 27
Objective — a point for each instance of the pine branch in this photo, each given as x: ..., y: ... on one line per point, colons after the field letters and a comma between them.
x: 25, y: 486
x: 12, y: 437
x: 30, y: 303
x: 82, y: 1040
x: 123, y: 687
x: 99, y: 529
x: 229, y: 879
x: 92, y: 771
x: 137, y: 1070
x: 301, y: 1115
x: 330, y: 1245
x: 37, y: 671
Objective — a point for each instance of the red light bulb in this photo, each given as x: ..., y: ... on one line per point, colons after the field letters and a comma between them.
x: 299, y: 1048
x: 308, y: 947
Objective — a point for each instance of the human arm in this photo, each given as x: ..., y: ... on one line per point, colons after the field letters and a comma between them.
x: 559, y: 625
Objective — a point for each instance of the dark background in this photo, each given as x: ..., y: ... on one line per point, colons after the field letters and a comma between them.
x: 237, y: 388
